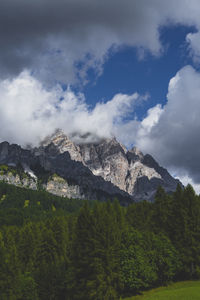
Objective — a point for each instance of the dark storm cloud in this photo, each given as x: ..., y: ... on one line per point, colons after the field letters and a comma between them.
x: 50, y: 36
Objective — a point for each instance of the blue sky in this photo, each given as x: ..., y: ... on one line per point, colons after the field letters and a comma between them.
x: 129, y: 69
x: 124, y: 72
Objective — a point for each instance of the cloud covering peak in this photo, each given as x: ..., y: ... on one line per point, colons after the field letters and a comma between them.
x: 29, y: 111
x: 48, y: 44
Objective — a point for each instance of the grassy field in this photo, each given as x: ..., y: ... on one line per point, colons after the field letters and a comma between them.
x: 187, y: 290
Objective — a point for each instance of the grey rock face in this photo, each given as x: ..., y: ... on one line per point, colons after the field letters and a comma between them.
x: 78, y: 180
x: 62, y: 142
x: 91, y: 186
x: 95, y: 171
x: 137, y: 174
x: 16, y: 180
x: 59, y: 186
x: 106, y: 159
x: 25, y: 181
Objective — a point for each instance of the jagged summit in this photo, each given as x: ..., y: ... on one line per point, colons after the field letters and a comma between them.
x: 55, y: 137
x: 63, y: 144
x: 130, y: 170
x: 135, y: 150
x: 56, y: 172
x: 92, y: 170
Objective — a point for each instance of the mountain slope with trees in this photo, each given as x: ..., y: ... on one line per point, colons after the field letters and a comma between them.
x: 55, y: 248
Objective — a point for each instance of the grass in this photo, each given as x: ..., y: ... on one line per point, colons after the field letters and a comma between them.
x: 187, y: 290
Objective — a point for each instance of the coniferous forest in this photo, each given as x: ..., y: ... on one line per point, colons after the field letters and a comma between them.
x: 58, y: 248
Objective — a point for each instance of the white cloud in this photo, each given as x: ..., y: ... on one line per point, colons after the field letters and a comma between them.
x: 153, y: 116
x: 29, y: 112
x: 174, y: 137
x: 71, y: 36
x: 193, y: 40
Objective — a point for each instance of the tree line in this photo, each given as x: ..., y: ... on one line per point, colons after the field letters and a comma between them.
x: 57, y: 248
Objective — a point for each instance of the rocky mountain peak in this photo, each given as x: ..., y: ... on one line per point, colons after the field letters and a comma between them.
x: 57, y: 137
x: 134, y: 154
x: 130, y: 170
x: 104, y: 164
x: 135, y: 150
x: 61, y: 141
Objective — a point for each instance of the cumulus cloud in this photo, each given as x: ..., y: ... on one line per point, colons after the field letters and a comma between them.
x: 173, y: 135
x: 193, y: 40
x: 29, y: 112
x: 59, y: 40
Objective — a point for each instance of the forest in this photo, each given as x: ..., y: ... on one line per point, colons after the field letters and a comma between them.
x: 57, y: 248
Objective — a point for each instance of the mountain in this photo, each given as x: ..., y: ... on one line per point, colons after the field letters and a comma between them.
x: 137, y: 174
x: 100, y: 170
x: 47, y: 168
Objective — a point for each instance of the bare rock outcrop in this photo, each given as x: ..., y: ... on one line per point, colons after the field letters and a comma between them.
x: 134, y: 173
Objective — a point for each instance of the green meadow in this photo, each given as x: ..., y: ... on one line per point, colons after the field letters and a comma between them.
x: 187, y: 290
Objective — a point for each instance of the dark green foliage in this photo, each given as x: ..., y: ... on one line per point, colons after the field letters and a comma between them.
x: 9, y: 268
x: 28, y: 287
x: 96, y: 255
x: 19, y: 205
x: 139, y: 215
x: 57, y: 248
x: 164, y: 257
x: 178, y: 217
x: 147, y: 260
x: 137, y: 267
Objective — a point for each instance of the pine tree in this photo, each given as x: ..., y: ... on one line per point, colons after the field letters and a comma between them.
x: 45, y: 264
x: 3, y: 270
x: 10, y: 268
x: 96, y: 254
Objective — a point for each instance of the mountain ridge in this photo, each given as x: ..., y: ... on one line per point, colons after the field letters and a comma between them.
x: 49, y: 160
x: 137, y: 174
x: 100, y: 170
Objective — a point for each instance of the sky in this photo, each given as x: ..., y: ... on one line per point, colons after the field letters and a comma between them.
x: 129, y: 69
